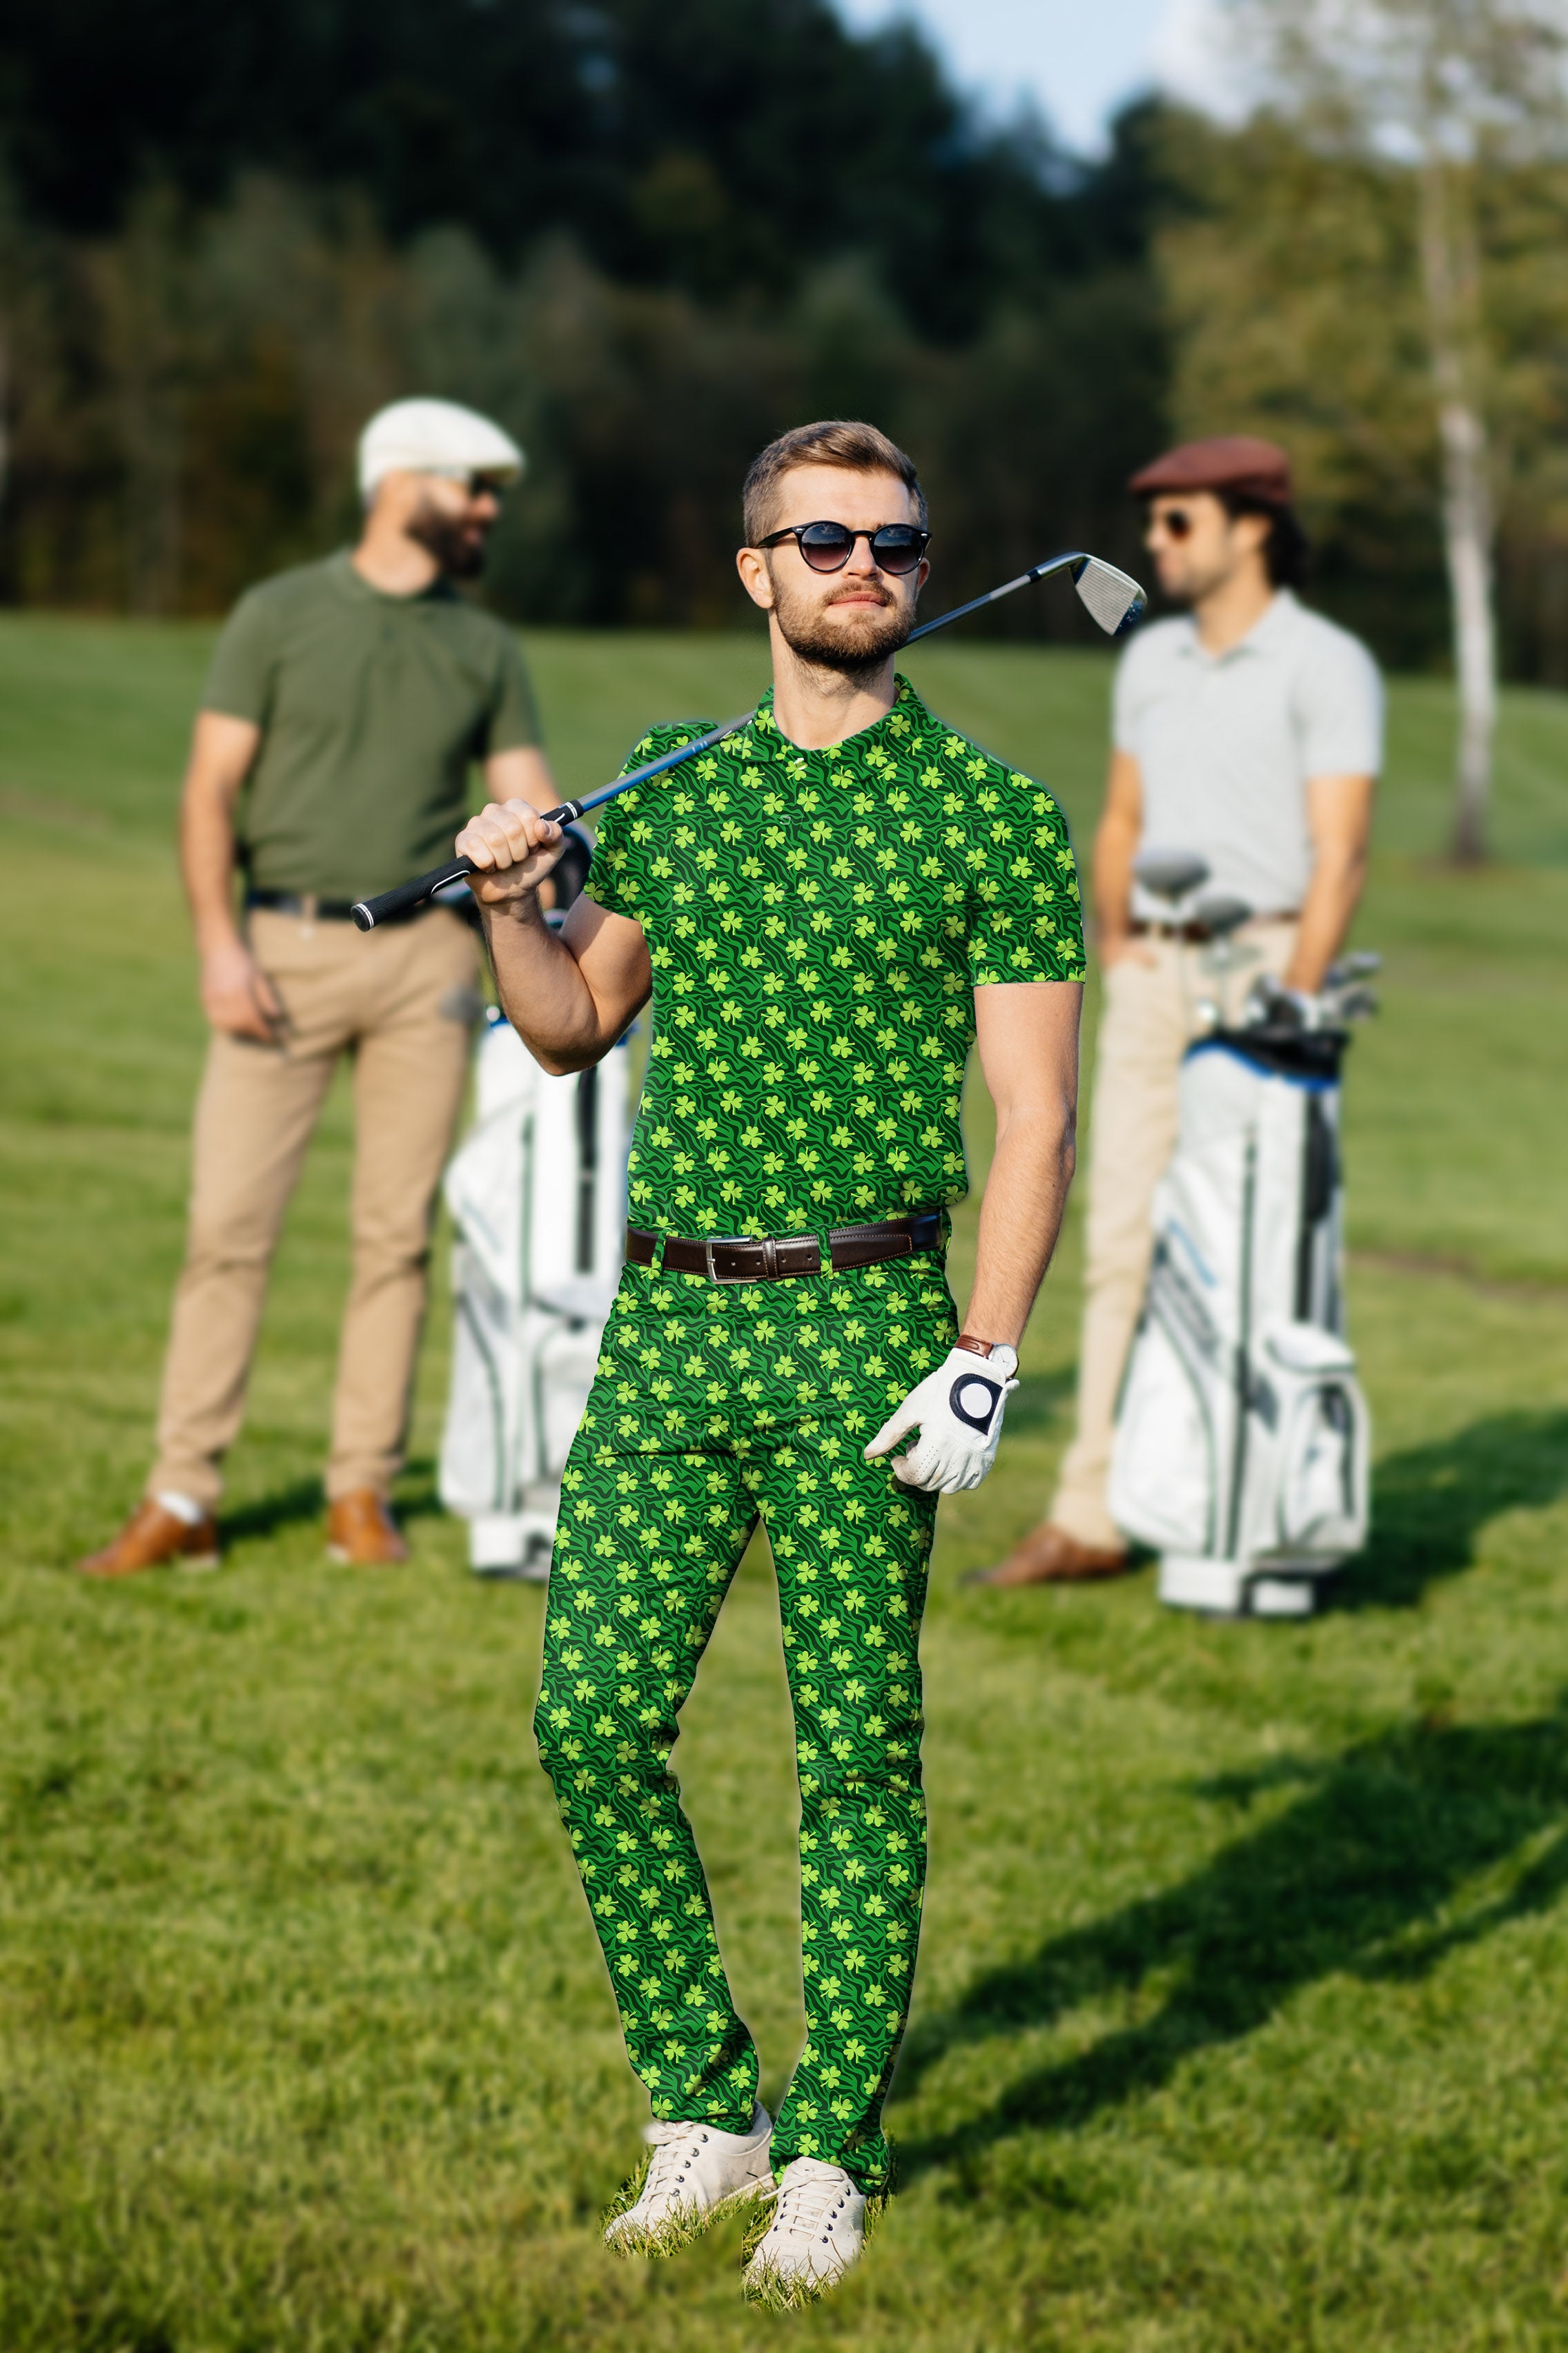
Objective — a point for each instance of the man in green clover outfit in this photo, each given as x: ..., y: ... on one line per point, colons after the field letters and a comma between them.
x: 828, y: 910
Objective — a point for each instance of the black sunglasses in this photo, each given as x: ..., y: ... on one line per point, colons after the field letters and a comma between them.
x: 1176, y: 523
x: 895, y: 548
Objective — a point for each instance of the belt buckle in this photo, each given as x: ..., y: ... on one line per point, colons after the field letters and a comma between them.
x: 713, y: 1273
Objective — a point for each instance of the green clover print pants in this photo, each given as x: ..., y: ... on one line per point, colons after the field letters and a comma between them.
x: 715, y: 1404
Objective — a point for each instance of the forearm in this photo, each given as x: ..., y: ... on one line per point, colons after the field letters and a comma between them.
x: 1115, y: 847
x: 541, y: 989
x: 1332, y: 896
x: 1116, y: 840
x: 206, y: 866
x: 1020, y: 1218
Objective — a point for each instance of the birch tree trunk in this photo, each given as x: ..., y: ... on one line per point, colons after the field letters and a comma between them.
x: 1449, y: 278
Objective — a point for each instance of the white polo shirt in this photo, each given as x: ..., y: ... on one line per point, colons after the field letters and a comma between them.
x: 1226, y: 743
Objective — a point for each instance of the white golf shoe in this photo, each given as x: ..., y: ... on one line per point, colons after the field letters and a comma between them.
x: 695, y: 2171
x: 818, y: 2229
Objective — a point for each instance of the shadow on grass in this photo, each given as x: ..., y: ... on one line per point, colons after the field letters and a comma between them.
x: 1430, y: 1503
x: 305, y: 1499
x: 1361, y: 1874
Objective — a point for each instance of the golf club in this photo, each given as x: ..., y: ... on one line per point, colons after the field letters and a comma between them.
x: 1173, y: 875
x: 1112, y: 598
x: 1170, y: 874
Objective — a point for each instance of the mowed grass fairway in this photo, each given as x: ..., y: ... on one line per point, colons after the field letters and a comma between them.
x: 1242, y: 2019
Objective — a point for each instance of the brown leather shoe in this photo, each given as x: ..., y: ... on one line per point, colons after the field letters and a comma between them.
x: 1048, y: 1556
x: 362, y: 1531
x: 152, y: 1538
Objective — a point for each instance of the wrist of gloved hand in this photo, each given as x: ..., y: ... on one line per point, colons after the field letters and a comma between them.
x: 958, y: 1412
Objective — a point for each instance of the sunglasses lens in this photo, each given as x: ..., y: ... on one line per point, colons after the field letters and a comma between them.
x: 825, y: 546
x: 1177, y: 523
x: 897, y: 548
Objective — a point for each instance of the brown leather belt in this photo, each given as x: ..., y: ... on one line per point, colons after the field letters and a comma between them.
x: 750, y: 1258
x: 1199, y: 935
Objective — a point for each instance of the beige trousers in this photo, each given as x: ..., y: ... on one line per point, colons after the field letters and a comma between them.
x: 1149, y: 1017
x: 391, y: 1000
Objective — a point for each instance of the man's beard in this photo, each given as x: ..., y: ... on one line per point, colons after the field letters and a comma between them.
x: 460, y: 553
x: 1198, y: 583
x: 856, y: 644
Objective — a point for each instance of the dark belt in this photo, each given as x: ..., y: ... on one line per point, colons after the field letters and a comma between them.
x: 311, y: 909
x: 1199, y: 935
x: 750, y: 1258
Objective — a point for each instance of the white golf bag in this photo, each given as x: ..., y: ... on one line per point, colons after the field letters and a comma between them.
x: 1242, y: 1438
x: 538, y: 1191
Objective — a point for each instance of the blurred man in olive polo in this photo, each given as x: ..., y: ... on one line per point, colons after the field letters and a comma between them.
x: 331, y: 760
x: 1249, y: 731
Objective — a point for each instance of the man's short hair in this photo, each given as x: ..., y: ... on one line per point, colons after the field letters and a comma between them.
x: 834, y: 442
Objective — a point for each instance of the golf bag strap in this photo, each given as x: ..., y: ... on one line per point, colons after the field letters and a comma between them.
x: 752, y: 1257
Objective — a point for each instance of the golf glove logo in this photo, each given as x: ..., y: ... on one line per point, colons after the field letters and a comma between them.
x: 958, y: 1411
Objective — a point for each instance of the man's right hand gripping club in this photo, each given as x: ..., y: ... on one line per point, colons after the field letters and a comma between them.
x: 514, y: 848
x: 958, y: 1411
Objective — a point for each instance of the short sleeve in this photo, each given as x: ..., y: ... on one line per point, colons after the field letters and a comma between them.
x: 1026, y: 923
x: 1340, y: 708
x: 240, y: 679
x: 514, y: 716
x: 624, y: 847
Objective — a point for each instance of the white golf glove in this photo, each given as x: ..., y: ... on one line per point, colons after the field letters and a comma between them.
x: 958, y: 1411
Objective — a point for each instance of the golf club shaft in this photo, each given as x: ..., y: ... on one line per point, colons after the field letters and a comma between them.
x: 409, y: 895
x: 368, y: 912
x: 1025, y: 579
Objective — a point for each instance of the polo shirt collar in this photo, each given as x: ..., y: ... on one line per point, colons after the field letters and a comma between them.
x: 769, y: 741
x: 351, y: 583
x: 1272, y: 623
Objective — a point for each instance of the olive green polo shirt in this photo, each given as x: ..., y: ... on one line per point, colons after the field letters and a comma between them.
x: 817, y: 924
x: 371, y: 708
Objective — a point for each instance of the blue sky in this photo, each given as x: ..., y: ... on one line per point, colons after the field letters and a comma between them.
x: 1076, y: 59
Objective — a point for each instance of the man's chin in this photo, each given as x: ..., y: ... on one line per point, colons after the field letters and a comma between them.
x: 460, y: 558
x: 851, y: 644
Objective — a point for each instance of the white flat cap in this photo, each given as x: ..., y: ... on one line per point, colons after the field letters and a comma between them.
x: 434, y: 437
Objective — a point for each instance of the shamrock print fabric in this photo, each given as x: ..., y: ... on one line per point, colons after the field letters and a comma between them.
x: 716, y: 1403
x: 817, y: 923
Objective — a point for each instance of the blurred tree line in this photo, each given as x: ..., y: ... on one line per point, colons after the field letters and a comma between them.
x: 647, y: 234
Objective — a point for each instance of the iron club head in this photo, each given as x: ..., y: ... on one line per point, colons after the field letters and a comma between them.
x: 1112, y: 598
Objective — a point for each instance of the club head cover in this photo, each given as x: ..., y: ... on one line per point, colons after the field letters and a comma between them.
x: 958, y: 1412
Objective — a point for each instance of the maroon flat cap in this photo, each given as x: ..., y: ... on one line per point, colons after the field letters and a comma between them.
x: 1228, y: 461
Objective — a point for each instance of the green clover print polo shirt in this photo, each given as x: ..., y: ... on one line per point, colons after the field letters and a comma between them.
x: 817, y: 923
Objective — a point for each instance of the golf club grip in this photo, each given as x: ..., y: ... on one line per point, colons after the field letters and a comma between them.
x: 368, y: 912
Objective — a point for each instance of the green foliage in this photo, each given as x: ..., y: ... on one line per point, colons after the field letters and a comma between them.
x: 188, y: 395
x: 1294, y: 284
x: 648, y: 237
x: 1239, y: 2021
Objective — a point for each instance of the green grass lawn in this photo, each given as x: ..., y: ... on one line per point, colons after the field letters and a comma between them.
x: 1240, y: 2021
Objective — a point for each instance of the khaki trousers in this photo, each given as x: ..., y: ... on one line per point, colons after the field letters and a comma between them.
x: 388, y: 999
x: 1149, y: 1017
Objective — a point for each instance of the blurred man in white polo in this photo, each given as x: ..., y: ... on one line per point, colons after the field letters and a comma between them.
x: 1250, y: 734
x: 330, y: 757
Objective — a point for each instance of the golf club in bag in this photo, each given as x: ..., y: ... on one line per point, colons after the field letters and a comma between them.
x: 1241, y: 1438
x: 1111, y: 597
x: 538, y: 1193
